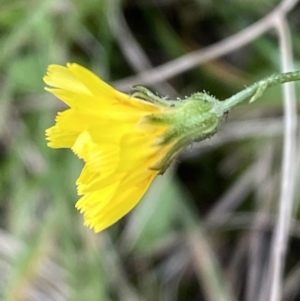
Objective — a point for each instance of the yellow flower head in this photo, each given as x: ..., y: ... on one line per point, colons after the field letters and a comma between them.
x: 125, y: 141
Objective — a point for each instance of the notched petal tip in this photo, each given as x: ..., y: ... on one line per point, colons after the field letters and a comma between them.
x: 61, y: 77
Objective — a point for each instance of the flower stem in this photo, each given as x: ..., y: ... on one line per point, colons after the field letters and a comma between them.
x: 257, y: 89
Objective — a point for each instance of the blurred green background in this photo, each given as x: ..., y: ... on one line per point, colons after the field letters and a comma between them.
x: 203, y: 230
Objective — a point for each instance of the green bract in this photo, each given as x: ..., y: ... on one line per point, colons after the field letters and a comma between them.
x: 198, y: 117
x: 192, y: 119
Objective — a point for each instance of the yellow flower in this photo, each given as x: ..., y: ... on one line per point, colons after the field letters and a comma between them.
x: 125, y: 141
x: 110, y: 132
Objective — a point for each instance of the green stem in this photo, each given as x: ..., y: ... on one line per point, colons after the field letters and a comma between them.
x: 258, y: 88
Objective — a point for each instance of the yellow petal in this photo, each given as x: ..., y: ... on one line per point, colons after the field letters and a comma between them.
x: 73, y: 82
x: 91, y: 180
x: 58, y: 138
x: 103, y: 214
x: 73, y: 99
x: 92, y: 82
x: 102, y: 157
x: 61, y: 77
x: 93, y: 200
x: 108, y: 130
